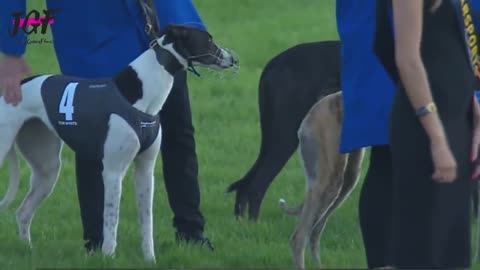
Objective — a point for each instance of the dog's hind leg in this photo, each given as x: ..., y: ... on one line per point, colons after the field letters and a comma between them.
x: 324, y: 167
x: 11, y: 120
x: 282, y: 108
x: 323, y: 186
x: 120, y: 148
x: 41, y: 149
x: 351, y: 177
x: 144, y: 188
x: 8, y: 130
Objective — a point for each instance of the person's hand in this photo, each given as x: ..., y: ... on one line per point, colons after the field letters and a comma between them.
x: 12, y: 70
x: 445, y: 166
x: 476, y: 142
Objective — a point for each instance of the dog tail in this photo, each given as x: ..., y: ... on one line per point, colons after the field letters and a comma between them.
x: 14, y: 178
x: 294, y: 211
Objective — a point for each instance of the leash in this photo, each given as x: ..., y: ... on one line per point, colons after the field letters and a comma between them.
x: 152, y: 28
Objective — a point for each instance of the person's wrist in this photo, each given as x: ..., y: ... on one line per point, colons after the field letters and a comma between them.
x: 13, y: 57
x: 438, y: 138
x: 476, y: 118
x: 426, y: 110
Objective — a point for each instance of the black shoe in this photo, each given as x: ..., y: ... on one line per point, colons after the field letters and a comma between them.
x: 93, y: 246
x: 194, y: 238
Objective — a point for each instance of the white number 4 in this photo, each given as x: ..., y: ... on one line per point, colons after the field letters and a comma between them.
x: 66, y: 104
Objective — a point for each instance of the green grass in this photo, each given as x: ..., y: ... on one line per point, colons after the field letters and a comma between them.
x: 227, y: 134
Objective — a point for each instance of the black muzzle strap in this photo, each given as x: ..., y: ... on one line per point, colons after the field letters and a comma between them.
x: 192, y: 69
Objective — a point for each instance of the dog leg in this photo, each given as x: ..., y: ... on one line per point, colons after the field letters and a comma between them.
x: 9, y: 133
x: 323, y: 187
x: 319, y: 199
x: 121, y: 146
x: 144, y: 187
x: 41, y: 149
x: 323, y: 166
x: 317, y: 187
x: 274, y: 154
x: 351, y: 178
x: 113, y: 188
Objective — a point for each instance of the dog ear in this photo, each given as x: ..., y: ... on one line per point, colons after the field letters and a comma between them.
x: 177, y: 31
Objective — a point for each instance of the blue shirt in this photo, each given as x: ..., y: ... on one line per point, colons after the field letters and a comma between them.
x: 367, y: 90
x: 96, y: 38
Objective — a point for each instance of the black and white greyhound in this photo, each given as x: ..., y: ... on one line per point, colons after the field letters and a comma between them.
x: 113, y: 119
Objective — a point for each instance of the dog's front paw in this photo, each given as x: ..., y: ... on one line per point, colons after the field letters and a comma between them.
x: 25, y: 237
x: 24, y: 233
x: 26, y: 240
x: 150, y: 257
x: 108, y: 249
x: 149, y: 252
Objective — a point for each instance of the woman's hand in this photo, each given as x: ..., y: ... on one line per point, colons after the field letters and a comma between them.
x: 445, y: 166
x: 476, y: 138
x: 12, y: 70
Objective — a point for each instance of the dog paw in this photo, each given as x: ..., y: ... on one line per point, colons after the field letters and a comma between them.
x: 108, y: 249
x: 150, y: 258
x: 149, y: 252
x: 25, y: 237
x: 27, y: 241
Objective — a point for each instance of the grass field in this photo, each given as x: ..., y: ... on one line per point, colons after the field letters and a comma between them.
x: 227, y: 135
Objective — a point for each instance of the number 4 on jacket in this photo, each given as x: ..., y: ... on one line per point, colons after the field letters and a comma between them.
x: 66, y: 103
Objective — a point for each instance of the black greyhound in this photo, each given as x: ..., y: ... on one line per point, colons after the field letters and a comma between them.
x: 290, y: 84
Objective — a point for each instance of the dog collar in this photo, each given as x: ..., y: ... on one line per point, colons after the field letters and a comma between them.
x: 190, y: 66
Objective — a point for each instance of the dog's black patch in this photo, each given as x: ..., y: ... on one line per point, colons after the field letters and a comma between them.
x: 29, y: 79
x: 168, y: 61
x: 129, y: 84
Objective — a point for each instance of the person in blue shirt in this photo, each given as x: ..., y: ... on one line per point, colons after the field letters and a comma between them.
x: 94, y: 39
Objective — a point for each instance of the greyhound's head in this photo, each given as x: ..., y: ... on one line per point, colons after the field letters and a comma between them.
x: 195, y: 47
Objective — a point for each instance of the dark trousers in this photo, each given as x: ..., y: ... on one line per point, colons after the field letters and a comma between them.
x: 375, y: 207
x: 180, y: 169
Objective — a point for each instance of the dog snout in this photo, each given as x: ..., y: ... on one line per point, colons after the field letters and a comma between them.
x: 230, y: 57
x: 235, y: 61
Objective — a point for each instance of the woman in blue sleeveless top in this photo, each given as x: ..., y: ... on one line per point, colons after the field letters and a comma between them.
x: 431, y: 134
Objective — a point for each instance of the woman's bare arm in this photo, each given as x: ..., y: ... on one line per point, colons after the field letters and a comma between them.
x: 408, y: 23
